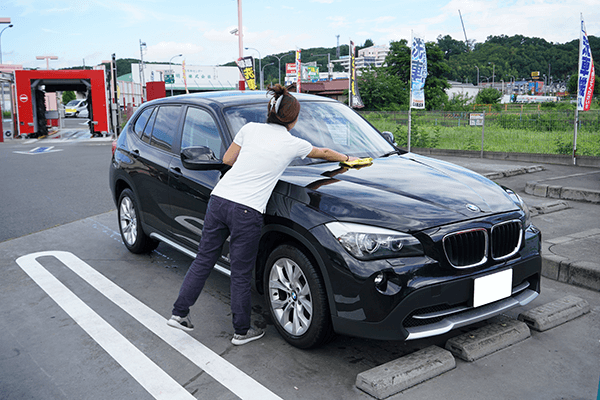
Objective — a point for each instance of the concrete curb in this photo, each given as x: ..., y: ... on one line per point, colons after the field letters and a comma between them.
x: 558, y: 192
x: 579, y: 273
x: 514, y: 172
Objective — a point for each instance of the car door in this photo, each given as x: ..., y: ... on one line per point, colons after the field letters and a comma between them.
x: 190, y: 189
x: 153, y: 157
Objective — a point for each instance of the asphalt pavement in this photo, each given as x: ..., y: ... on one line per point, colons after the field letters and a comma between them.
x: 45, y: 354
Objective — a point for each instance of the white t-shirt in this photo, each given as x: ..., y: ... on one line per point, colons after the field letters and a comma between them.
x: 266, y: 151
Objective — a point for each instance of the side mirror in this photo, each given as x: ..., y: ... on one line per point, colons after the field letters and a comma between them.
x: 201, y: 158
x: 389, y: 136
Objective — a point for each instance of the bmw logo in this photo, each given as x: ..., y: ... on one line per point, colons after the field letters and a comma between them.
x: 473, y: 207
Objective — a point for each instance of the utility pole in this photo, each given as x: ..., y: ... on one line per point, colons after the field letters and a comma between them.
x: 142, y: 76
x: 337, y: 51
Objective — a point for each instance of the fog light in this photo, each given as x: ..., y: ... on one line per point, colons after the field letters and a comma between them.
x: 380, y: 280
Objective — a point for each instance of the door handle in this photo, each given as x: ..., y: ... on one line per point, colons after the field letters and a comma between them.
x: 176, y: 171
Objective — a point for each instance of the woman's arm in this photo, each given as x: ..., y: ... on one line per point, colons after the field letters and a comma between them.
x: 329, y: 155
x: 231, y: 154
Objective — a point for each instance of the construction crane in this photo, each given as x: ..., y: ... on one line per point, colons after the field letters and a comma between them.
x: 464, y: 31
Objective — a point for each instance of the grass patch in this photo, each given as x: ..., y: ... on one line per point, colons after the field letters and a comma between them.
x: 443, y: 132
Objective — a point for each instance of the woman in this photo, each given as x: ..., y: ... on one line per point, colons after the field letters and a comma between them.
x: 258, y: 155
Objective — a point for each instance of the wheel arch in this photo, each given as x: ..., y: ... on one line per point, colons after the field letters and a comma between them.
x: 275, y: 235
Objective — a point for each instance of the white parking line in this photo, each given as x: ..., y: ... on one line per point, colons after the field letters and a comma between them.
x: 148, y: 374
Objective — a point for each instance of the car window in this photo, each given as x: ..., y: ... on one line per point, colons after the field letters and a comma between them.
x: 323, y: 124
x: 147, y: 132
x: 142, y: 120
x: 200, y: 129
x: 163, y: 132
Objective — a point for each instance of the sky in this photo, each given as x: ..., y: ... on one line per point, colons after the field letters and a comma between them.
x: 88, y: 32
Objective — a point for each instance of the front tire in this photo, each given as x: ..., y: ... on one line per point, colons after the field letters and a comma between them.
x: 296, y: 298
x: 130, y: 225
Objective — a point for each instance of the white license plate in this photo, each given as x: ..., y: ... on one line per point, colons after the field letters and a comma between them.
x: 488, y: 289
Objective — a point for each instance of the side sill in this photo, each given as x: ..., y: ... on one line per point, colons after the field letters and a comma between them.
x: 176, y: 246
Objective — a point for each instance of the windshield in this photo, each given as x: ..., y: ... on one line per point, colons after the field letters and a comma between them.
x: 323, y: 124
x: 73, y: 102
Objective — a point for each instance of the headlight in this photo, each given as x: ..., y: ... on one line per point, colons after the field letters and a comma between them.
x: 517, y: 199
x: 370, y: 242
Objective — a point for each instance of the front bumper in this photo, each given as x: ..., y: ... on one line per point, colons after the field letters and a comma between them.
x: 438, y: 308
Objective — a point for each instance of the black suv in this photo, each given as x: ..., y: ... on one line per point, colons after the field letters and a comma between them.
x: 405, y: 248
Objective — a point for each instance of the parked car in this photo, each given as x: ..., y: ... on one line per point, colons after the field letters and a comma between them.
x: 76, y: 108
x: 405, y: 248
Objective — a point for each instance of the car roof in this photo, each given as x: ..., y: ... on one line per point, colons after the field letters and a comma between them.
x: 234, y: 97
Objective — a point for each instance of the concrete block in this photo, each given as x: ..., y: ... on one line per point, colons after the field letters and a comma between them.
x: 530, y: 187
x: 572, y: 194
x: 514, y: 172
x: 554, y: 192
x: 410, y: 370
x: 500, y: 333
x: 593, y: 196
x: 552, y: 314
x: 540, y: 190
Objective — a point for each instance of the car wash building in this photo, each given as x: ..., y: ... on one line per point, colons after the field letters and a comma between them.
x: 31, y: 86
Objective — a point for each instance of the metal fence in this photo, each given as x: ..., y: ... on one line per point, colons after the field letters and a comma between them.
x: 513, y: 130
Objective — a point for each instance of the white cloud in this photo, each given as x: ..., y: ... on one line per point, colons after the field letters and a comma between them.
x: 338, y: 21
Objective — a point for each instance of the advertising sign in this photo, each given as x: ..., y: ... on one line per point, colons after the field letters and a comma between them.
x: 355, y: 100
x: 246, y: 66
x: 418, y: 73
x: 290, y: 69
x: 587, y: 75
x: 298, y: 70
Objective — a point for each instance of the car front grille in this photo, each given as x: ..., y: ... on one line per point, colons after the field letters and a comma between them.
x: 506, y: 239
x: 470, y: 248
x: 467, y: 248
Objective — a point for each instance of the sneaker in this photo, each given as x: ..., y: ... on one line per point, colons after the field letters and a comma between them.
x: 252, y: 334
x: 182, y: 323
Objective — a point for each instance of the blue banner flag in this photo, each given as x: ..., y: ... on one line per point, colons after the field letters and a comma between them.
x: 587, y: 75
x: 418, y: 72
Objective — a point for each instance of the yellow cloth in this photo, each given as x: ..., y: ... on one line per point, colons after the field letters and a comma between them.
x: 361, y: 162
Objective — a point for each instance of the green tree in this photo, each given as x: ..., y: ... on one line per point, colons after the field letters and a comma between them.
x: 382, y: 91
x: 488, y: 96
x: 67, y: 96
x: 398, y: 64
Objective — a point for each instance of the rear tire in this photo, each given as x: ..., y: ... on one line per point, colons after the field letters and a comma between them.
x: 296, y: 298
x: 130, y: 225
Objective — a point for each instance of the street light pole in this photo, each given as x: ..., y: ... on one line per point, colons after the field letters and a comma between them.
x: 279, y: 60
x: 477, y: 75
x: 259, y: 64
x: 171, y: 70
x: 10, y: 26
x: 262, y: 72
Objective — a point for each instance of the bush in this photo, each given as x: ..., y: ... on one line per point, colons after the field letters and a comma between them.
x: 68, y: 96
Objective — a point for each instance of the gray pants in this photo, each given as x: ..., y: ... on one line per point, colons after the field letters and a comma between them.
x: 225, y: 218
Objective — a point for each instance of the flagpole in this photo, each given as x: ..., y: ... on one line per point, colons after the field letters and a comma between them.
x: 350, y: 74
x: 578, y: 71
x: 410, y: 92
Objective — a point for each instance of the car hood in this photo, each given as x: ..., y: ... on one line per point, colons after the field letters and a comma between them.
x: 405, y: 192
